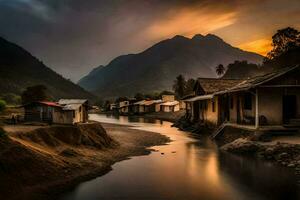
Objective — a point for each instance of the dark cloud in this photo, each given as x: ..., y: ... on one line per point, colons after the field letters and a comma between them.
x: 73, y: 36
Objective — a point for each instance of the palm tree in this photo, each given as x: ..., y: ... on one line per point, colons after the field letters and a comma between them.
x: 220, y: 70
x: 179, y: 86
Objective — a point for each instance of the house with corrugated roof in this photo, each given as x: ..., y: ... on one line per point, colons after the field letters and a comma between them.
x: 65, y: 111
x: 272, y: 99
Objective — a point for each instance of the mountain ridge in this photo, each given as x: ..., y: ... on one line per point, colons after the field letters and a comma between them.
x: 19, y: 69
x: 155, y: 68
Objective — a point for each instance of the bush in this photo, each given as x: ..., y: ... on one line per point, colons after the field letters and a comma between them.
x: 11, y: 98
x: 2, y: 105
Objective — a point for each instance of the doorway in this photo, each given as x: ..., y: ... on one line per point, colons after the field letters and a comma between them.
x: 238, y: 111
x: 289, y: 108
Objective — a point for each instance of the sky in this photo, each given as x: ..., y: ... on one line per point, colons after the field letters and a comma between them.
x: 74, y: 36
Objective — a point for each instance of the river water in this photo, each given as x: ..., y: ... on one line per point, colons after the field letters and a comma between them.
x: 190, y: 167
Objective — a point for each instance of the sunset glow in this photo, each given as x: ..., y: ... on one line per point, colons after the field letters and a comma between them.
x: 261, y: 46
x: 189, y: 22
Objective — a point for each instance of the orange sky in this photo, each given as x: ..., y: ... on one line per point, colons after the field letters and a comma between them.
x: 246, y: 25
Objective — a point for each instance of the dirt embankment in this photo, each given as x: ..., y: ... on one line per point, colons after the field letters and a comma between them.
x: 40, y: 163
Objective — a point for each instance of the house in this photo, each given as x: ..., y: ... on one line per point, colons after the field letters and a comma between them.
x: 170, y: 106
x: 272, y: 99
x: 202, y: 107
x: 124, y: 107
x: 138, y: 107
x: 66, y: 111
x: 112, y: 106
x: 182, y: 105
x: 42, y: 111
x: 147, y: 106
x: 152, y: 105
x: 168, y: 98
x: 79, y: 108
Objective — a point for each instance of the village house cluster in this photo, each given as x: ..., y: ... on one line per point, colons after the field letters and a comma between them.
x: 166, y: 104
x: 271, y: 100
x: 65, y: 111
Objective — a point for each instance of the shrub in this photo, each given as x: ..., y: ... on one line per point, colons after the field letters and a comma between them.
x: 2, y: 105
x: 11, y: 98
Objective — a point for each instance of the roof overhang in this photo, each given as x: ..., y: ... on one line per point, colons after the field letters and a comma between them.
x: 200, y: 98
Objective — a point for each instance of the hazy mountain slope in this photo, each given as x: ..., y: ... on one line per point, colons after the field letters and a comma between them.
x: 156, y: 68
x: 19, y: 69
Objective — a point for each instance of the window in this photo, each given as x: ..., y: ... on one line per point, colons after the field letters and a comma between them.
x: 248, y: 101
x: 213, y: 105
x: 73, y: 113
x: 80, y: 109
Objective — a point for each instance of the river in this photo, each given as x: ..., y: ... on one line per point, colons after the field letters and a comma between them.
x: 189, y: 167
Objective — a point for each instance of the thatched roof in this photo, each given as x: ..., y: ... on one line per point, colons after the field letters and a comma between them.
x: 212, y: 85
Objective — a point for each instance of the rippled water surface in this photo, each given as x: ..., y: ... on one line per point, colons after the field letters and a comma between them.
x: 190, y: 168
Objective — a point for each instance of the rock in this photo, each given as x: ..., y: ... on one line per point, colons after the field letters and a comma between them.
x: 241, y: 145
x: 283, y: 155
x: 269, y: 150
x: 291, y: 165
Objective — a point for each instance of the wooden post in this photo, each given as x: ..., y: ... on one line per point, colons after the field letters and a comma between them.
x: 256, y: 110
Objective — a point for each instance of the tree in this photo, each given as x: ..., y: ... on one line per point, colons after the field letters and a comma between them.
x: 139, y: 96
x: 220, y: 70
x: 189, y: 86
x: 2, y: 105
x: 166, y: 92
x: 118, y: 100
x: 179, y: 86
x: 283, y: 41
x: 35, y: 93
x: 99, y: 102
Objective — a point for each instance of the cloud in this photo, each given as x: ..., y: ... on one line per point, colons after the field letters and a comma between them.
x: 73, y: 36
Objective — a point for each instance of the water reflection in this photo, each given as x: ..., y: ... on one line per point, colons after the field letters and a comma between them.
x: 191, y: 168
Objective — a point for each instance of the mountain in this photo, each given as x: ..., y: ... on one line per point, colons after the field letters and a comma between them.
x: 155, y: 68
x: 19, y: 69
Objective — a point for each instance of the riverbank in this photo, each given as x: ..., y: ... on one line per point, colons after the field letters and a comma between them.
x: 165, y: 116
x: 42, y: 162
x: 281, y: 150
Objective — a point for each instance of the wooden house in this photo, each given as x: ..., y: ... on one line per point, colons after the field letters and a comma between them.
x: 66, y: 111
x: 272, y: 99
x: 41, y: 111
x: 78, y: 107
